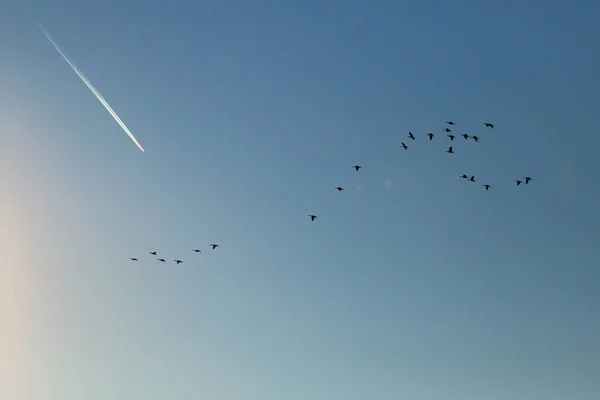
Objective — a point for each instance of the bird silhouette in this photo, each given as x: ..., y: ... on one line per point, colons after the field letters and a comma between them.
x: 450, y: 150
x: 463, y: 176
x: 196, y: 250
x: 465, y: 136
x: 161, y: 260
x: 472, y: 179
x: 487, y: 124
x: 357, y: 167
x: 178, y: 261
x: 447, y: 130
x: 431, y: 135
x: 133, y: 259
x: 405, y: 147
x: 451, y: 137
x: 527, y: 179
x: 518, y: 182
x: 214, y: 246
x: 450, y: 122
x: 339, y: 188
x: 475, y: 138
x: 153, y: 253
x: 411, y: 136
x: 312, y: 217
x: 487, y: 187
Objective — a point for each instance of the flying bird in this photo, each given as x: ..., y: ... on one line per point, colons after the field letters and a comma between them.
x: 527, y: 179
x: 450, y: 122
x: 196, y: 251
x: 465, y: 136
x: 357, y: 167
x: 431, y: 135
x: 178, y: 261
x: 405, y: 147
x: 161, y: 260
x: 312, y: 217
x: 93, y: 89
x: 463, y: 176
x: 475, y: 138
x: 518, y: 182
x: 133, y: 259
x: 411, y: 136
x: 488, y: 125
x: 153, y: 253
x: 487, y: 187
x: 339, y: 188
x: 450, y: 150
x: 451, y: 137
x: 447, y: 130
x: 214, y: 246
x: 472, y: 179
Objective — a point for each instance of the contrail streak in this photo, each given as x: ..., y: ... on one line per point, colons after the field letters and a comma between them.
x: 92, y: 88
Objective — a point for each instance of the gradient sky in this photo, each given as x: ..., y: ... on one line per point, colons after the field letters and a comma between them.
x: 250, y: 113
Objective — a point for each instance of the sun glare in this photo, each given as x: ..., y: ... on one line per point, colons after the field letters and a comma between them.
x: 16, y: 291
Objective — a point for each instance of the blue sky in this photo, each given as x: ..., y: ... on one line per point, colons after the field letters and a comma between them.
x: 250, y: 114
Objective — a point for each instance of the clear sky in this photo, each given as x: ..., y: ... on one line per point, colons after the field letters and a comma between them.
x: 251, y: 112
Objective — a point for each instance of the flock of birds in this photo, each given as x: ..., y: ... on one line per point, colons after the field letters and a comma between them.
x: 447, y: 130
x: 411, y: 136
x: 177, y: 261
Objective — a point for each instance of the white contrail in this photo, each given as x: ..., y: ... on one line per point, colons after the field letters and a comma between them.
x: 92, y: 88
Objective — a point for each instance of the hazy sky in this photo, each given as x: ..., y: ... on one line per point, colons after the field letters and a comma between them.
x: 250, y: 113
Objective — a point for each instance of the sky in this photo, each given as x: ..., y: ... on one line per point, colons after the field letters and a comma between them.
x: 412, y: 283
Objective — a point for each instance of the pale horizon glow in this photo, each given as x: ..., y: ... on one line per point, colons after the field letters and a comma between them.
x: 92, y: 88
x: 17, y: 289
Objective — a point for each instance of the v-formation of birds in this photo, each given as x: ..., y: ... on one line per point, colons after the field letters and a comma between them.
x: 411, y: 136
x: 430, y: 135
x: 176, y: 261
